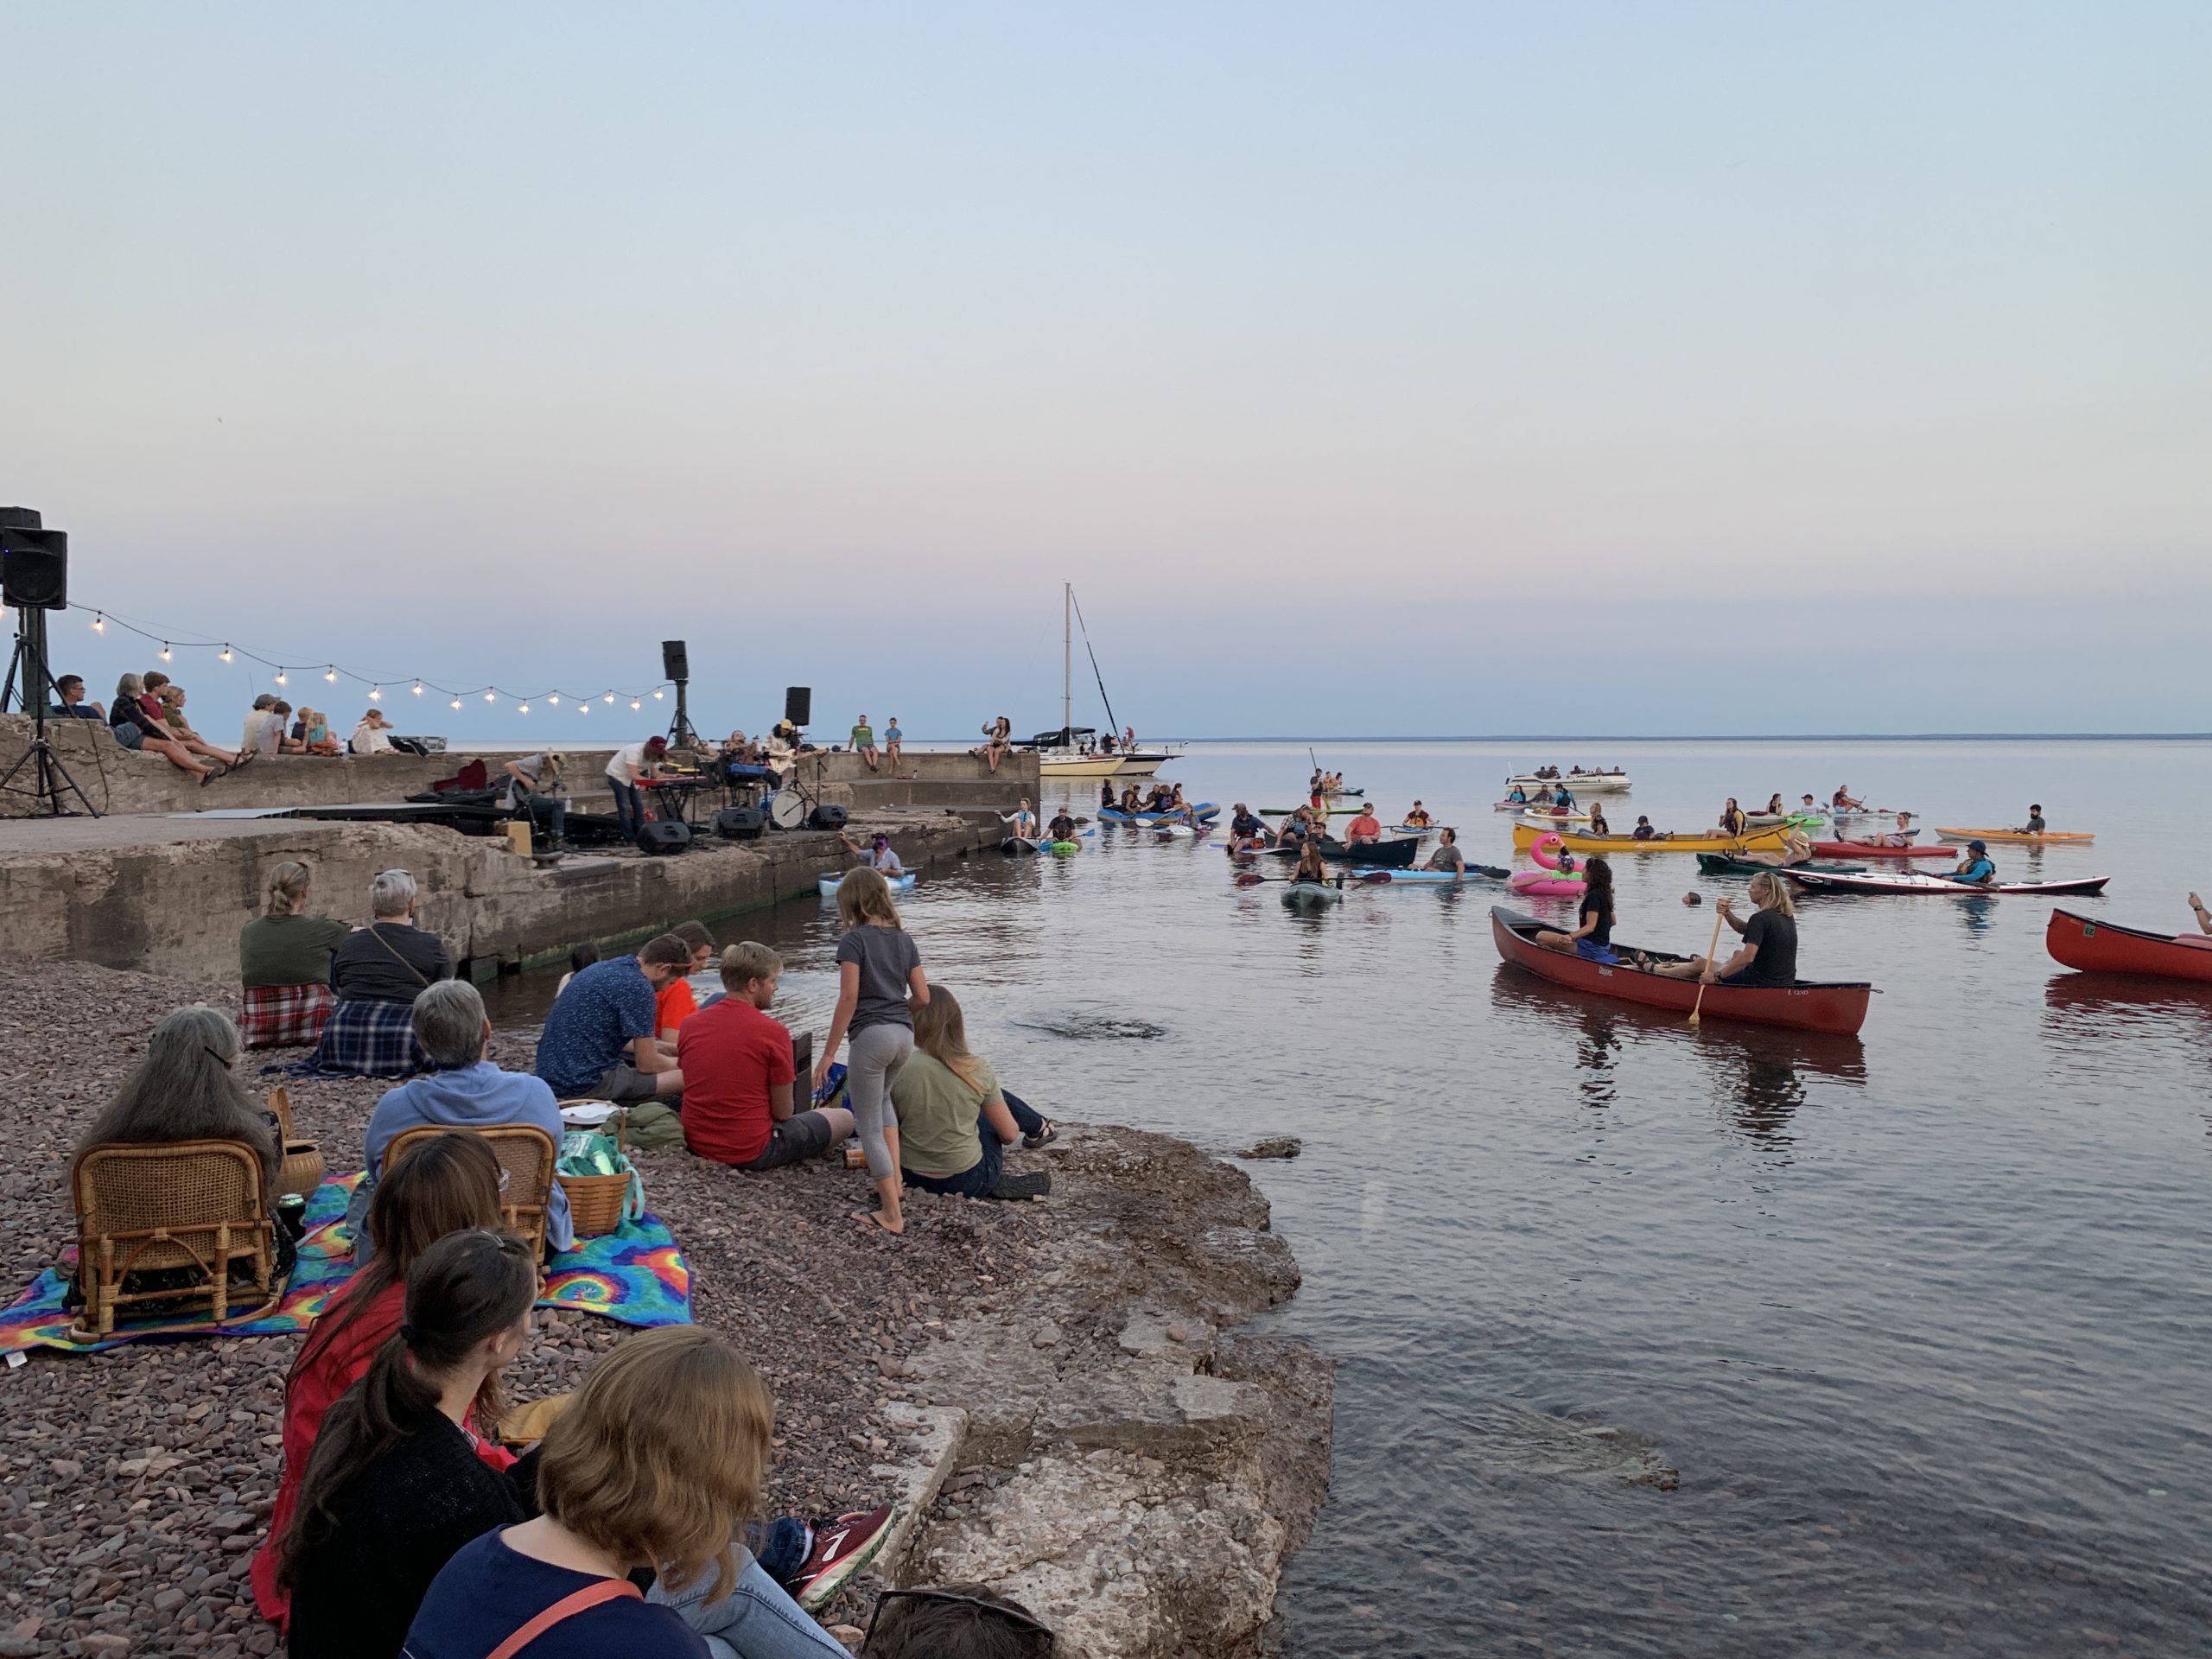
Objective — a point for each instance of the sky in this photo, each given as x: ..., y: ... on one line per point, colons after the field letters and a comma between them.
x: 1409, y: 369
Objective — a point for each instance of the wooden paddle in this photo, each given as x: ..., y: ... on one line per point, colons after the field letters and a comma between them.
x: 1709, y: 949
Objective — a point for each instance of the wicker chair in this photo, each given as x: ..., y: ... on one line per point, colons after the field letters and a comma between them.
x: 303, y: 1165
x: 191, y: 1205
x: 526, y: 1155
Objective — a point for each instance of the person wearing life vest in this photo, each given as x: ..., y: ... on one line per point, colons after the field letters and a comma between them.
x: 1246, y: 831
x: 1976, y: 869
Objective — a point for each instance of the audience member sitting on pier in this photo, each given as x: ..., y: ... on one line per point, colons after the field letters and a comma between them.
x: 134, y: 728
x: 284, y: 961
x: 738, y: 1077
x: 955, y: 1621
x: 314, y: 734
x: 674, y: 1001
x: 370, y: 736
x: 185, y: 1089
x: 955, y: 1122
x: 599, y: 1038
x: 894, y: 741
x: 71, y: 690
x: 265, y: 726
x: 377, y: 974
x: 656, y: 1465
x: 535, y: 791
x: 398, y: 1481
x: 998, y: 741
x: 445, y: 1185
x: 863, y: 736
x: 169, y: 722
x: 463, y: 1091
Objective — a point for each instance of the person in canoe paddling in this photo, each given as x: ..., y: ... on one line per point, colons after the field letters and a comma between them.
x: 1364, y: 830
x: 1416, y: 819
x: 1246, y: 832
x: 2034, y: 826
x: 1447, y: 855
x: 1593, y: 939
x: 1977, y: 869
x: 1644, y: 831
x: 1062, y: 828
x: 1769, y: 953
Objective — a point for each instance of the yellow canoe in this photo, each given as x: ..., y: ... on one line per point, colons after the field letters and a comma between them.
x: 1526, y: 835
x: 2049, y: 837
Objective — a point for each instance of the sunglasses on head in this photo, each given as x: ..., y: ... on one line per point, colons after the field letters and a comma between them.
x: 1012, y: 1616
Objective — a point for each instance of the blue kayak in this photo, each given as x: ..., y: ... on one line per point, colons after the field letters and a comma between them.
x: 1204, y: 811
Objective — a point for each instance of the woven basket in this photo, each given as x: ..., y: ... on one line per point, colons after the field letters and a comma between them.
x: 596, y: 1202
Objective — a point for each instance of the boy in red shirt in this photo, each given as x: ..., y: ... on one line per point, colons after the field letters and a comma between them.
x: 739, y: 1110
x: 674, y: 1003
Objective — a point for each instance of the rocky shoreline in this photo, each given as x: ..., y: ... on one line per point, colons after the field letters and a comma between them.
x: 1054, y: 1392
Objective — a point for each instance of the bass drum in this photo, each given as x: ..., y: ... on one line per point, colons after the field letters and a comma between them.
x: 787, y: 810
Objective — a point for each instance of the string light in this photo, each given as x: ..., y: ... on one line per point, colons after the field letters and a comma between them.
x: 100, y: 623
x: 491, y: 696
x: 418, y: 687
x: 456, y: 702
x: 280, y: 676
x: 376, y: 694
x: 165, y: 650
x: 610, y: 696
x: 525, y: 708
x: 583, y: 708
x: 656, y: 696
x: 634, y: 703
x: 555, y: 699
x: 330, y: 674
x: 227, y: 653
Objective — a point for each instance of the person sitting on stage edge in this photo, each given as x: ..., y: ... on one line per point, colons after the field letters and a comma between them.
x: 284, y: 964
x: 164, y: 724
x: 738, y: 1076
x: 894, y: 740
x: 955, y: 1121
x: 864, y: 741
x: 463, y: 1091
x: 377, y: 974
x: 675, y: 1002
x: 134, y: 728
x: 370, y: 736
x: 599, y: 1040
x: 70, y: 688
x: 445, y: 1185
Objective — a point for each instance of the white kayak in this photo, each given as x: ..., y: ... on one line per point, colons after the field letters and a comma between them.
x: 903, y: 882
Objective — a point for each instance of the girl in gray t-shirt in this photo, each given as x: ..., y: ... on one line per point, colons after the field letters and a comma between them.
x: 879, y: 983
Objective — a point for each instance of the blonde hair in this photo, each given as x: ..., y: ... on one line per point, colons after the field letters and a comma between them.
x: 288, y: 885
x: 747, y: 961
x: 659, y: 1457
x: 864, y: 897
x: 1777, y: 895
x: 941, y: 1032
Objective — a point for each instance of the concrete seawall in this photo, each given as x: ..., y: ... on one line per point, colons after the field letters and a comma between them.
x: 168, y: 895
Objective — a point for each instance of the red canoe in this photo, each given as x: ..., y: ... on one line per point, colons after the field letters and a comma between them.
x: 2107, y: 948
x: 1860, y: 849
x: 1838, y: 1008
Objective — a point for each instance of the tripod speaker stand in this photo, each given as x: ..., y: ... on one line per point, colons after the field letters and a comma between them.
x: 28, y: 679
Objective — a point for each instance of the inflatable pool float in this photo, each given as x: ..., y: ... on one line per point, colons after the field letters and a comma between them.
x: 903, y: 882
x: 1550, y: 881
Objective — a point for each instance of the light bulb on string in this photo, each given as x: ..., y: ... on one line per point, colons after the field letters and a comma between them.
x: 583, y: 708
x: 634, y: 703
x: 491, y: 696
x: 165, y: 650
x: 280, y: 676
x: 99, y: 622
x: 610, y: 696
x: 555, y: 699
x: 376, y: 694
x: 456, y: 702
x: 330, y: 674
x: 525, y: 708
x: 227, y: 653
x: 418, y: 687
x: 656, y: 696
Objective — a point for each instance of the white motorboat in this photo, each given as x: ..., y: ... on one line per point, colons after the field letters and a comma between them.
x: 1580, y: 783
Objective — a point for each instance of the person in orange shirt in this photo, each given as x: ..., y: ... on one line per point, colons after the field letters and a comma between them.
x: 1365, y: 827
x: 674, y: 1003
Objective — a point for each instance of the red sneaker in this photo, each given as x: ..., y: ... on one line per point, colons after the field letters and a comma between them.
x: 841, y: 1548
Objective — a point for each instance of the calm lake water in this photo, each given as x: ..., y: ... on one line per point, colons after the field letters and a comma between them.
x: 1919, y: 1317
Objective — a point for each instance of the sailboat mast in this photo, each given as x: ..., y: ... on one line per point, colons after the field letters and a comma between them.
x: 1067, y: 660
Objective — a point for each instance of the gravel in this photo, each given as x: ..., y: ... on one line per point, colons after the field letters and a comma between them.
x: 134, y: 1484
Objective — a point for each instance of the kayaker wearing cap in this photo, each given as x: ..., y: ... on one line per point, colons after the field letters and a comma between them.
x: 1365, y: 829
x: 1062, y: 828
x: 1246, y: 831
x: 1769, y: 953
x: 880, y: 856
x: 1976, y: 868
x: 1417, y: 818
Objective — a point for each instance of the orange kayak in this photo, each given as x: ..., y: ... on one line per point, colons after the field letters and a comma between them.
x: 2021, y: 838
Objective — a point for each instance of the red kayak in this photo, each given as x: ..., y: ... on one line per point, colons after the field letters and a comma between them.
x: 1840, y: 1009
x: 2107, y: 948
x: 1864, y: 850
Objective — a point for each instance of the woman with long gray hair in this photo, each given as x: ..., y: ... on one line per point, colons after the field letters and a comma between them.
x: 185, y: 1089
x: 284, y: 961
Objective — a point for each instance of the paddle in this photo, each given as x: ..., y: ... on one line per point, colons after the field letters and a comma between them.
x: 1366, y: 879
x: 1709, y: 949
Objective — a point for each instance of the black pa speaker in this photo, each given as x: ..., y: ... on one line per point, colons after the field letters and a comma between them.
x: 665, y: 836
x: 740, y: 822
x: 675, y: 661
x: 798, y: 704
x: 827, y: 817
x: 34, y: 569
x: 20, y: 518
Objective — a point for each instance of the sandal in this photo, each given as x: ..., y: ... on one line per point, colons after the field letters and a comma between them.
x: 1044, y: 1137
x: 873, y: 1218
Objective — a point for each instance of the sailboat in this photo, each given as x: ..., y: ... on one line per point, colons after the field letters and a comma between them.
x: 1076, y: 751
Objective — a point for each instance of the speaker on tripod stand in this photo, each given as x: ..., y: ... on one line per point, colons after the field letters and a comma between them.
x: 675, y: 665
x: 34, y: 580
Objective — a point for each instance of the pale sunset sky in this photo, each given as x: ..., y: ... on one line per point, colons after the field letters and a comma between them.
x: 1402, y: 369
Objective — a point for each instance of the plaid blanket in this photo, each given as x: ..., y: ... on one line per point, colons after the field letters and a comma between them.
x: 369, y: 1039
x: 635, y: 1275
x: 285, y: 1016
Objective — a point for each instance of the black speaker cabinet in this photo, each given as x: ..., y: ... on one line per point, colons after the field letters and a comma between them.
x: 675, y: 661
x: 827, y: 817
x: 35, y: 568
x: 20, y: 518
x: 798, y: 704
x: 664, y: 836
x: 740, y: 822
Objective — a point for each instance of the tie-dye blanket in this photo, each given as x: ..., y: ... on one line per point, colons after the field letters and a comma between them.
x: 635, y: 1275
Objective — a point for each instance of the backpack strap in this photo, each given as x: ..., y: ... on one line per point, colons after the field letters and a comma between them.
x: 568, y: 1607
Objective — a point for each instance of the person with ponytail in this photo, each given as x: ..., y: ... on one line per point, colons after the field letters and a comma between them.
x: 284, y: 961
x: 446, y: 1185
x: 956, y: 1121
x: 395, y: 1484
x: 655, y: 1466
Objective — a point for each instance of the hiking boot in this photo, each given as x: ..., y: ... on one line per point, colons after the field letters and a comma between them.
x: 841, y: 1548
